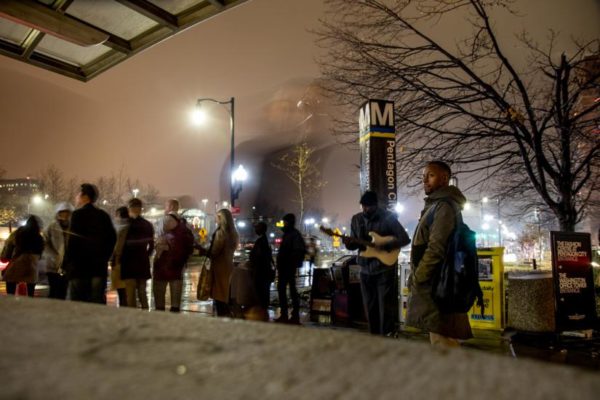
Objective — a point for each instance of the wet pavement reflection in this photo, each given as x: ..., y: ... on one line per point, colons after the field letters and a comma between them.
x: 189, y: 303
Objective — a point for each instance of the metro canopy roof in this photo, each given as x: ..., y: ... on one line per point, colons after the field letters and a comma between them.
x: 83, y: 38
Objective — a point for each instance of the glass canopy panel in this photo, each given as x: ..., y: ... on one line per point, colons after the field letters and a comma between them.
x: 175, y: 7
x: 69, y: 52
x: 113, y: 17
x: 13, y: 32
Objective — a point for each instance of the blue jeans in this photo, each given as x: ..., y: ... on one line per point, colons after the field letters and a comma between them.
x: 378, y: 297
x: 90, y: 290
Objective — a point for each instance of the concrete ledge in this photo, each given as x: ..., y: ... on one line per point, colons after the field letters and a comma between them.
x: 65, y: 350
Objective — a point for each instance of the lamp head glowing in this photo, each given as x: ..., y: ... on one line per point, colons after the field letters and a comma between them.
x: 240, y: 174
x: 198, y: 116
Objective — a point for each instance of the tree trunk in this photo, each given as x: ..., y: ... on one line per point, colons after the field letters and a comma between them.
x: 567, y: 218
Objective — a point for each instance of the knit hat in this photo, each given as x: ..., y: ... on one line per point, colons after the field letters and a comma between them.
x: 369, y: 198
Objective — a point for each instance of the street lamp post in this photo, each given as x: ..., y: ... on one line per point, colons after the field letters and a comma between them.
x: 231, y: 110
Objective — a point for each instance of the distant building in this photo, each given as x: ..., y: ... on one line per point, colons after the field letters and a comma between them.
x: 19, y: 187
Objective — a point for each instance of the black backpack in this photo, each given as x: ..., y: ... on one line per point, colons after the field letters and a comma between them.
x: 456, y: 285
x: 181, y: 242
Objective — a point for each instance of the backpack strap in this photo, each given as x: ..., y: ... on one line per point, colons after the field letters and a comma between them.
x: 452, y: 203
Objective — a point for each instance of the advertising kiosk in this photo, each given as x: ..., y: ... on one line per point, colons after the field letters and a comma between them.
x: 491, y: 281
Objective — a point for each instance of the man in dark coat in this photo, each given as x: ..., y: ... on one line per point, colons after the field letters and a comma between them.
x: 430, y: 242
x: 378, y: 282
x: 289, y: 259
x: 91, y: 242
x: 135, y: 256
x: 261, y: 259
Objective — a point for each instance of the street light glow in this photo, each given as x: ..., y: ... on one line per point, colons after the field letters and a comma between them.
x: 485, y: 227
x: 198, y: 116
x: 485, y: 200
x: 399, y: 208
x: 37, y: 199
x: 325, y: 220
x: 467, y: 206
x: 241, y: 224
x: 240, y: 174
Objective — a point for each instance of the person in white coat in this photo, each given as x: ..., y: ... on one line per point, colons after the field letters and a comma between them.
x: 54, y: 252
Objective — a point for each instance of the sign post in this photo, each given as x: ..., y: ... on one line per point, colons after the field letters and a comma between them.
x: 378, y: 151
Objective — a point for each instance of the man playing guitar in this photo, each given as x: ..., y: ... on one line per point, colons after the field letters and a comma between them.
x: 377, y: 280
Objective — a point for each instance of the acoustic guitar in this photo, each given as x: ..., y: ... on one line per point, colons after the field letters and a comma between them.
x: 372, y: 250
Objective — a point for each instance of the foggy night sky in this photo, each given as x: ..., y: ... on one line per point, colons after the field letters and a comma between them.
x: 136, y: 114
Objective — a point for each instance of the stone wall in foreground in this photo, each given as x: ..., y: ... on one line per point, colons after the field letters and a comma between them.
x: 65, y: 350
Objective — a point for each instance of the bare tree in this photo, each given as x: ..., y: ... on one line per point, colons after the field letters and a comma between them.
x: 114, y: 189
x: 53, y: 183
x: 150, y: 194
x: 7, y: 214
x: 531, y: 132
x: 300, y: 166
x: 117, y: 188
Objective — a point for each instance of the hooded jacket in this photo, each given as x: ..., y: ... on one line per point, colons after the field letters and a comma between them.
x: 54, y: 251
x: 427, y: 255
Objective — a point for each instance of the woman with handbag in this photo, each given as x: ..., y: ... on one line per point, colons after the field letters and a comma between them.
x: 23, y: 250
x: 225, y: 241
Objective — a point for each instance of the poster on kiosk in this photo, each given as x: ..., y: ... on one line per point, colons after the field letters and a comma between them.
x: 573, y: 280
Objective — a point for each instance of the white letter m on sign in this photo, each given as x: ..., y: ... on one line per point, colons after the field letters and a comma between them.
x: 382, y: 119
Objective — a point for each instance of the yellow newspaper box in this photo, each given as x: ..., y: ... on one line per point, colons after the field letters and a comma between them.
x: 491, y: 280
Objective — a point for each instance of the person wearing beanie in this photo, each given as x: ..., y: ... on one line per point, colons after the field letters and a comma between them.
x: 54, y: 252
x: 90, y: 246
x: 289, y: 259
x: 377, y: 280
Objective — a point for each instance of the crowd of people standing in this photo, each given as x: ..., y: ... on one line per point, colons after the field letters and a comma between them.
x: 81, y: 243
x: 78, y: 245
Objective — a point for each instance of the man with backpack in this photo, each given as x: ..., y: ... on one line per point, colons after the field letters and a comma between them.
x: 174, y: 245
x: 430, y: 251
